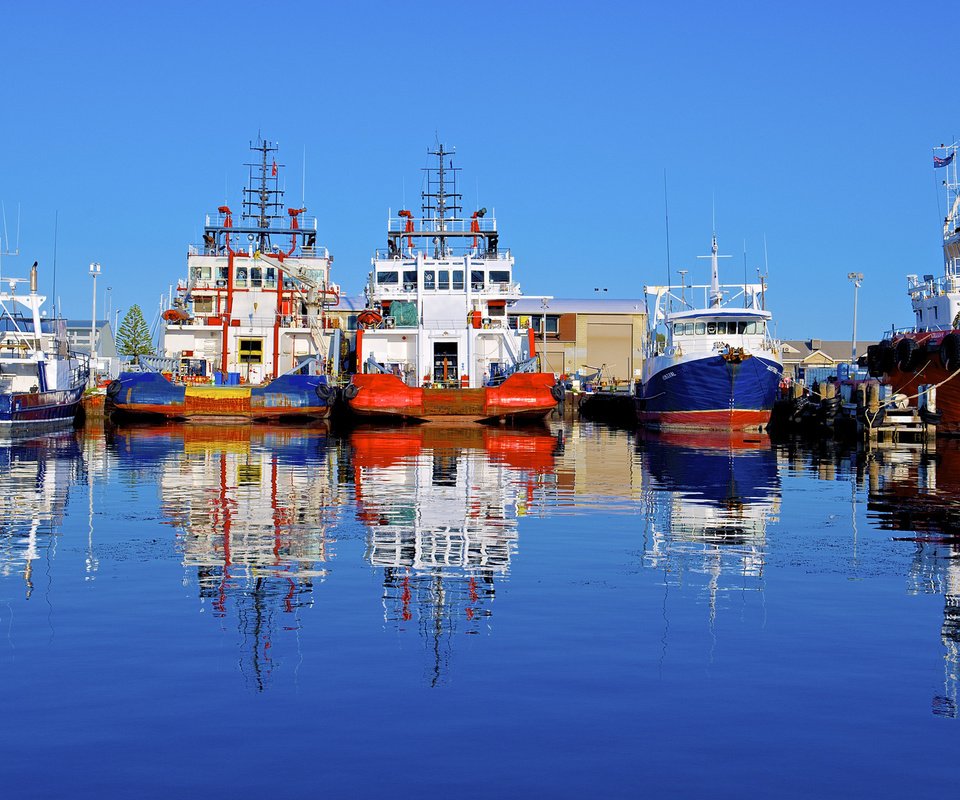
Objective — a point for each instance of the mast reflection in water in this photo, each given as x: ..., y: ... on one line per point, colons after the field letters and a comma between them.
x: 441, y: 507
x: 921, y: 496
x: 251, y: 506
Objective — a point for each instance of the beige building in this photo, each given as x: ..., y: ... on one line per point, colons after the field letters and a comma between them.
x: 800, y: 355
x: 585, y: 334
x: 574, y: 334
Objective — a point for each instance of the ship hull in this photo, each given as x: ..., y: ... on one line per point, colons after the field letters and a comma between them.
x: 709, y: 393
x: 927, y: 369
x: 522, y: 396
x: 149, y: 394
x: 31, y: 411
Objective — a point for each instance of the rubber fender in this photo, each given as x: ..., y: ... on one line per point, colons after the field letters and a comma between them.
x: 875, y: 354
x: 907, y: 354
x: 326, y: 392
x: 930, y: 417
x: 350, y: 391
x: 558, y: 392
x: 950, y: 352
x: 113, y: 388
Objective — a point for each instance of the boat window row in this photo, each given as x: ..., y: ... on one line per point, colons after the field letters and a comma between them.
x: 718, y: 328
x: 443, y: 279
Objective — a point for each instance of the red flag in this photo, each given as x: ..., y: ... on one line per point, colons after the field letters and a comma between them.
x: 274, y: 173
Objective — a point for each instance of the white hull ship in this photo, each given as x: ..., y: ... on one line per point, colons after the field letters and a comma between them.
x: 434, y: 342
x: 251, y: 317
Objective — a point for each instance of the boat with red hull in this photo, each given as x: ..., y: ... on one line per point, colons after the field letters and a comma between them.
x: 435, y: 342
x: 912, y: 361
x: 522, y: 396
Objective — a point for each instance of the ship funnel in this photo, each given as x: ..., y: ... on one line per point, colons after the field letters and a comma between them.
x: 33, y: 278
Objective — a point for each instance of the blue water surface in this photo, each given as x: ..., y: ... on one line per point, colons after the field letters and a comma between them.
x: 191, y: 610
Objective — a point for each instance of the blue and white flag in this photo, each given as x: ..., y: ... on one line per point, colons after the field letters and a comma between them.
x: 942, y: 162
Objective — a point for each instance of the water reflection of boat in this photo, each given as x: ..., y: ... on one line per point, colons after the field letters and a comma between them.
x: 921, y: 497
x: 441, y: 507
x: 35, y: 476
x: 251, y: 505
x: 714, y: 493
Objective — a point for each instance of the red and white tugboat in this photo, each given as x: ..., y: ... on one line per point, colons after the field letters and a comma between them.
x: 434, y: 342
x: 911, y: 360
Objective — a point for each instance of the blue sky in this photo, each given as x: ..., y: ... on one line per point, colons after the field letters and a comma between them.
x: 808, y: 124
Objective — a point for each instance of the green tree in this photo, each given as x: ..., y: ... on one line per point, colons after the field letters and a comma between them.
x: 133, y: 338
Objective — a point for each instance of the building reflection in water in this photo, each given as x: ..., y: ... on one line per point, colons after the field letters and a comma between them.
x: 251, y: 505
x: 35, y: 477
x: 920, y: 495
x: 712, y: 495
x: 441, y: 507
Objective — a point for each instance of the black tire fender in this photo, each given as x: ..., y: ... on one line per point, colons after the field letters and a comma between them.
x: 950, y: 352
x: 350, y: 391
x: 114, y: 388
x: 326, y: 392
x: 906, y: 354
x: 558, y: 392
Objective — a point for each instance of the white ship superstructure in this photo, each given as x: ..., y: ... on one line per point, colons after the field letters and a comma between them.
x: 257, y: 288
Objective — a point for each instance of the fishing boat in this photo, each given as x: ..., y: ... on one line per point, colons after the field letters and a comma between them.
x: 714, y: 366
x: 434, y: 342
x: 41, y: 381
x: 913, y: 359
x: 247, y: 334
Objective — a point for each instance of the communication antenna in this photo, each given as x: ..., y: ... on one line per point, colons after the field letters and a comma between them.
x: 56, y: 223
x: 666, y: 220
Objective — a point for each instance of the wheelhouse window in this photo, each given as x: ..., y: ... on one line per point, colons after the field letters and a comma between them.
x: 499, y: 276
x: 387, y: 278
x: 256, y: 277
x: 251, y: 351
x: 409, y: 279
x: 458, y: 280
x: 241, y: 277
x: 223, y: 275
x: 429, y: 280
x: 443, y: 279
x: 700, y: 328
x: 678, y: 329
x: 202, y: 305
x: 476, y: 279
x: 270, y: 278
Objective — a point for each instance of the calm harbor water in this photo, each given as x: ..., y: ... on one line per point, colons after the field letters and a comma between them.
x: 568, y: 611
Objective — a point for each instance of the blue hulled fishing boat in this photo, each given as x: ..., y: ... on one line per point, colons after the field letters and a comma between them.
x: 41, y: 381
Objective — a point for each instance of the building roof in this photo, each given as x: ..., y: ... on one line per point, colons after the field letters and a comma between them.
x: 837, y: 351
x: 584, y: 305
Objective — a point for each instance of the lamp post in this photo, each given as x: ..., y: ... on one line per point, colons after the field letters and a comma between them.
x: 857, y: 278
x: 94, y: 271
x: 546, y: 305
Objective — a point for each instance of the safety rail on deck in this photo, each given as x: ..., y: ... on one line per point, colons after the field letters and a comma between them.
x: 244, y: 248
x: 295, y: 321
x: 491, y: 291
x: 431, y: 225
x: 919, y: 289
x: 478, y: 255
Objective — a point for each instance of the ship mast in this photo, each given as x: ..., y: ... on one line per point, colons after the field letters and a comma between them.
x: 263, y: 197
x: 437, y: 200
x: 951, y: 223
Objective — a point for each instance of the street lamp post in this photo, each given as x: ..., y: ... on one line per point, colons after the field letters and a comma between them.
x: 94, y: 271
x: 857, y: 278
x: 545, y: 305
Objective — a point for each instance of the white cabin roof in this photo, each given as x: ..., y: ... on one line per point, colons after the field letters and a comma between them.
x: 718, y: 313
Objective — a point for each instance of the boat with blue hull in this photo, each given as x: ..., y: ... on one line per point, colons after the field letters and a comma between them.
x: 150, y: 394
x: 711, y: 367
x: 41, y: 381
